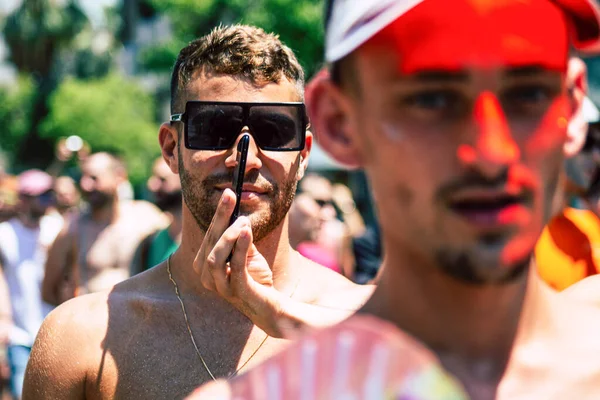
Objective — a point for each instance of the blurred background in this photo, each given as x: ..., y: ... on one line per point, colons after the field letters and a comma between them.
x: 99, y: 69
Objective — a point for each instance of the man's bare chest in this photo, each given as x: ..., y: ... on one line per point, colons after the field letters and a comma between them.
x: 158, y: 360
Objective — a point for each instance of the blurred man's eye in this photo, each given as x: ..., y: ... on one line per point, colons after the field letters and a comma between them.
x: 435, y: 103
x: 528, y: 98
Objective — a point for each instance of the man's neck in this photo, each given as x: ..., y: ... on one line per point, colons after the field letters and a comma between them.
x: 275, y: 248
x: 107, y: 213
x: 29, y: 221
x: 471, y: 328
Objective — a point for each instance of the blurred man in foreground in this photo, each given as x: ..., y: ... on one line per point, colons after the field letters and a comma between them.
x: 458, y: 112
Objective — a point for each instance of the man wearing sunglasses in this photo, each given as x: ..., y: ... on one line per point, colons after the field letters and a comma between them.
x: 164, y: 331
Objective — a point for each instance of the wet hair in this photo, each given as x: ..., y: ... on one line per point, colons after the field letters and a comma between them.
x: 238, y: 50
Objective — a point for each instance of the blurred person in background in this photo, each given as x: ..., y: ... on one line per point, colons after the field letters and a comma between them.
x: 8, y: 191
x: 24, y: 242
x: 165, y: 188
x: 339, y: 223
x: 569, y: 248
x: 66, y: 196
x: 304, y: 230
x: 95, y: 251
x: 66, y: 149
x: 8, y: 197
x: 5, y: 328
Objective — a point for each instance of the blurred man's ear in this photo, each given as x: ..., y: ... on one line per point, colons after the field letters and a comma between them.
x: 168, y: 137
x: 305, y: 155
x: 577, y: 125
x: 330, y: 114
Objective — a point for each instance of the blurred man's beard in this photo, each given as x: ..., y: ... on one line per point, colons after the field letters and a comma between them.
x: 201, y: 200
x: 97, y: 199
x: 168, y: 201
x: 35, y: 214
x: 463, y: 267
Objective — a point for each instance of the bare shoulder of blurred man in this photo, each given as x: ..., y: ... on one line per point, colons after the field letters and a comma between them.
x: 95, y: 249
x: 163, y: 332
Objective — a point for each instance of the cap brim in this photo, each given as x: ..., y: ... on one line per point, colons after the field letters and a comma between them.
x: 584, y: 16
x: 352, y: 23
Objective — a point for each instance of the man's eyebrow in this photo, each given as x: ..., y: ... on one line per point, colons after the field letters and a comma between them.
x: 439, y: 76
x: 529, y: 70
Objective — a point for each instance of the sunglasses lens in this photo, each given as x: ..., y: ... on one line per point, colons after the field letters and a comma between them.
x: 277, y: 127
x: 213, y: 127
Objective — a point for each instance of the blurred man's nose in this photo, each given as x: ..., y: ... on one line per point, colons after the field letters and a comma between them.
x: 86, y: 183
x: 327, y: 212
x: 495, y: 147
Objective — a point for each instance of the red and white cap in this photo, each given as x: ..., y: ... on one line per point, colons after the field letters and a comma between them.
x: 351, y: 23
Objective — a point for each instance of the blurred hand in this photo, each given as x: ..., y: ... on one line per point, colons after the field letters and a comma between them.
x: 62, y: 152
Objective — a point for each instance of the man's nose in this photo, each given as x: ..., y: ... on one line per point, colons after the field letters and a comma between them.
x: 86, y: 184
x: 495, y: 147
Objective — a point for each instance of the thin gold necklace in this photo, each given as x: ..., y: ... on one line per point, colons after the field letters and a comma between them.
x: 187, y: 323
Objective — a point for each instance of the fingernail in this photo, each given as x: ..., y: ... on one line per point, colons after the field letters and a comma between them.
x: 225, y: 198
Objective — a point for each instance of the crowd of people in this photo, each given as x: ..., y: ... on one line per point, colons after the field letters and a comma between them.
x: 477, y: 282
x: 60, y: 239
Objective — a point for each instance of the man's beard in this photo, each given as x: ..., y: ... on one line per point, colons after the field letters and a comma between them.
x: 168, y: 201
x: 463, y: 267
x: 199, y: 198
x: 98, y: 200
x: 35, y: 214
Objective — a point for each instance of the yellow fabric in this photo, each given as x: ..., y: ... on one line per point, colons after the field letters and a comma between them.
x: 569, y: 248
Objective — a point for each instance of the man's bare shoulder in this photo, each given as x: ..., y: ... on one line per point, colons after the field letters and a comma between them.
x: 331, y: 289
x: 145, y: 215
x: 83, y: 318
x: 67, y: 348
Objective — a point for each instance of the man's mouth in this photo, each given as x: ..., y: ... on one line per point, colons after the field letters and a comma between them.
x: 485, y: 209
x: 249, y: 191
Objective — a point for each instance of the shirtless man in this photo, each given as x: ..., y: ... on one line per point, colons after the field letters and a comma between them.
x: 458, y: 112
x: 165, y: 331
x: 165, y: 188
x: 95, y: 250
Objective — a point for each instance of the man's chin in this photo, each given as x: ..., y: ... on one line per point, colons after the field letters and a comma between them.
x: 482, y: 266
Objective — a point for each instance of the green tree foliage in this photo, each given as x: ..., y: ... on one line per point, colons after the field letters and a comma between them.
x: 36, y: 33
x: 111, y: 114
x: 16, y: 103
x: 298, y: 23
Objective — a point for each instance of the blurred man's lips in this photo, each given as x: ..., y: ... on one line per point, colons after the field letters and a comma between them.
x: 486, y: 209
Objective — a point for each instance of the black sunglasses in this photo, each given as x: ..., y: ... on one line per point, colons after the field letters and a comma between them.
x: 215, y: 125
